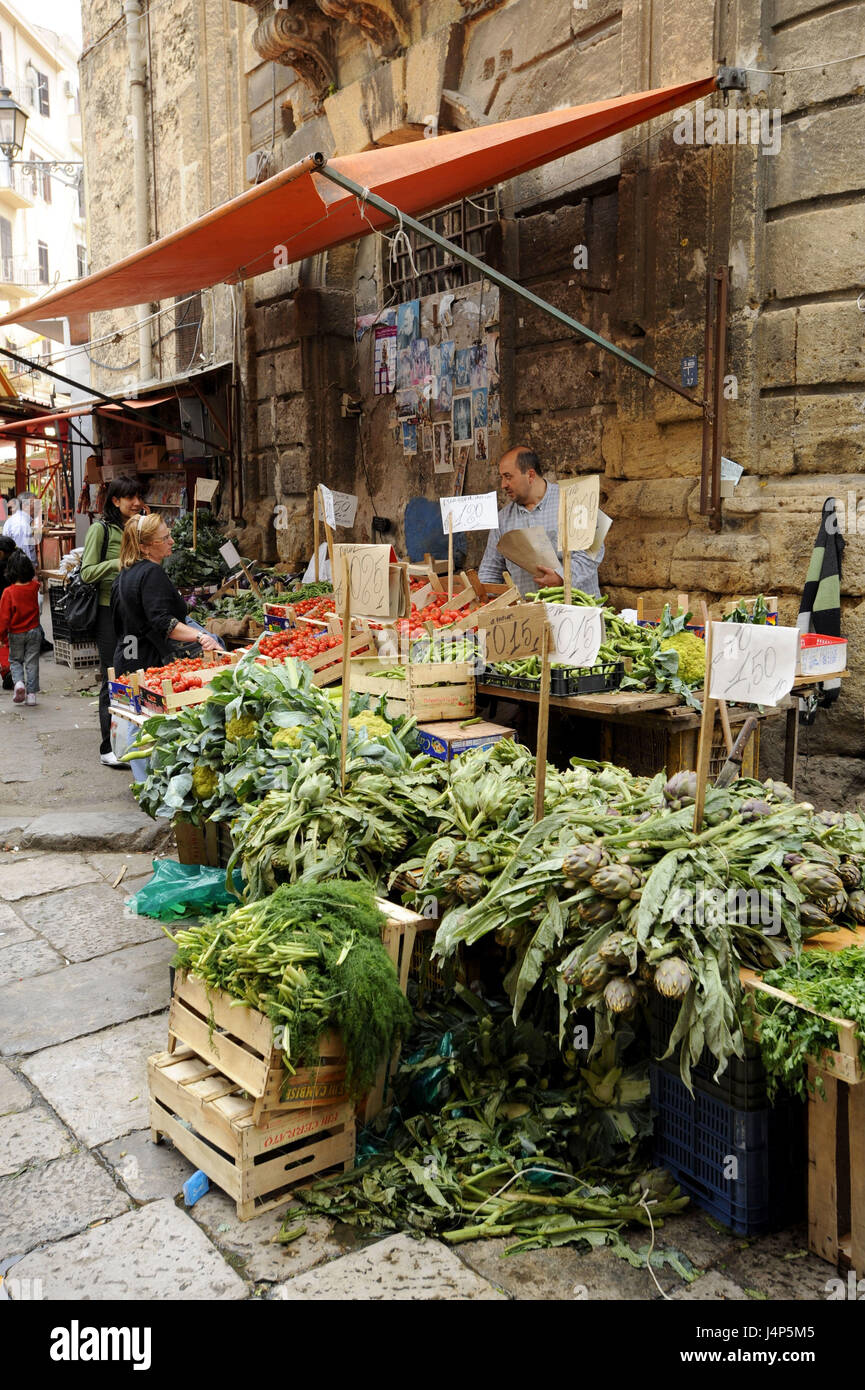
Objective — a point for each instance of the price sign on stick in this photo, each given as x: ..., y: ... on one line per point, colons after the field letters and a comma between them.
x: 230, y: 555
x: 577, y: 633
x: 368, y: 568
x: 477, y: 512
x: 206, y: 489
x: 337, y: 508
x: 513, y: 633
x: 578, y: 512
x: 751, y: 664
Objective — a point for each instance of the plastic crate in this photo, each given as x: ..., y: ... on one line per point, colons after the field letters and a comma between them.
x: 741, y: 1084
x: 593, y: 682
x: 81, y: 656
x: 57, y: 599
x: 747, y: 1168
x: 492, y: 677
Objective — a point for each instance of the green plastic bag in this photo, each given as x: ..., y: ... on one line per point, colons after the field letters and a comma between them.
x: 184, y: 890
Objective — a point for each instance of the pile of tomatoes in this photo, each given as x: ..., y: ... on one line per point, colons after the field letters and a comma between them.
x: 435, y: 613
x: 315, y: 607
x: 185, y: 674
x: 292, y: 642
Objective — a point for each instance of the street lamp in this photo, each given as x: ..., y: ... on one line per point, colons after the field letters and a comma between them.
x: 13, y: 124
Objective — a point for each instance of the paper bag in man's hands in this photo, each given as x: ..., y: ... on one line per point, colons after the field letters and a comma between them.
x: 531, y: 549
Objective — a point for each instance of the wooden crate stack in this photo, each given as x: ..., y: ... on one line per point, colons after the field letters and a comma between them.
x: 836, y: 1128
x: 223, y: 1096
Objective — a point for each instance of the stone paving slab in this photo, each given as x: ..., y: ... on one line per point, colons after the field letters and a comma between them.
x: 395, y: 1269
x: 31, y: 877
x: 252, y: 1241
x: 156, y: 1252
x: 32, y: 1137
x: 713, y: 1287
x: 88, y: 921
x: 148, y: 1171
x: 110, y: 863
x: 46, y: 1204
x: 12, y: 827
x: 566, y: 1273
x: 12, y: 929
x: 28, y: 958
x: 85, y: 829
x: 14, y: 1095
x: 84, y: 998
x: 779, y: 1266
x: 98, y: 1084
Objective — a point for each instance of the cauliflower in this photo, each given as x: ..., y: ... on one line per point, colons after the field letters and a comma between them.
x: 287, y: 738
x: 204, y: 781
x: 372, y: 724
x: 241, y: 727
x: 692, y: 656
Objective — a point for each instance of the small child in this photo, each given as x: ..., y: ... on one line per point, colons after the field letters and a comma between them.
x: 19, y: 621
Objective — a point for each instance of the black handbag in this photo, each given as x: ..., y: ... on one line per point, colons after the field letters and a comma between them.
x: 82, y: 600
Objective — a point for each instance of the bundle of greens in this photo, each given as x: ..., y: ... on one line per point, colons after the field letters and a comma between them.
x: 831, y: 982
x: 231, y: 606
x: 498, y: 1135
x: 188, y: 568
x: 311, y: 958
x: 317, y: 589
x: 217, y: 759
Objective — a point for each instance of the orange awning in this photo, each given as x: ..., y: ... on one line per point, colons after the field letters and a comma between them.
x: 298, y: 213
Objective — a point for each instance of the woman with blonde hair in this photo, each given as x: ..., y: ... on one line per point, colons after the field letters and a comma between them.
x: 148, y: 612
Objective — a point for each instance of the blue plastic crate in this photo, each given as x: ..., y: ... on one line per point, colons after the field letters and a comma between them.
x: 741, y: 1084
x: 745, y: 1167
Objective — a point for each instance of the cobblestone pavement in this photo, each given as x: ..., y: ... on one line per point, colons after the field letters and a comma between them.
x: 89, y: 1207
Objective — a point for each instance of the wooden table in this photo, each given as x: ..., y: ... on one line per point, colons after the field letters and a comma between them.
x: 645, y: 731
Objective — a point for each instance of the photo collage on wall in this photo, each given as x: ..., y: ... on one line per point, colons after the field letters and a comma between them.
x: 439, y: 360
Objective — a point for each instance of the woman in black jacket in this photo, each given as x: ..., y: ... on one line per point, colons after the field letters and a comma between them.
x: 148, y: 611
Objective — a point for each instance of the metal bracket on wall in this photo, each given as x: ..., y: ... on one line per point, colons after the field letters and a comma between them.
x: 732, y: 80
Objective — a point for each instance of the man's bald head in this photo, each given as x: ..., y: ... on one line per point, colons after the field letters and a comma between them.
x: 520, y: 473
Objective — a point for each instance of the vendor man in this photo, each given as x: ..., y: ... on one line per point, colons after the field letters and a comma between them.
x: 533, y: 502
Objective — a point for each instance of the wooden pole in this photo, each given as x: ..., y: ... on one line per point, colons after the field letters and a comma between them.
x: 346, y: 662
x: 316, y: 534
x: 194, y: 521
x: 704, y: 747
x: 450, y: 556
x: 566, y: 552
x: 253, y: 582
x: 722, y: 704
x: 328, y: 535
x: 543, y: 727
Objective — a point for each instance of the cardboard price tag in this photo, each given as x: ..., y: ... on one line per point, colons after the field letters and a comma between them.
x: 514, y: 632
x: 477, y: 512
x: 579, y: 501
x: 230, y: 555
x: 206, y: 489
x: 337, y: 508
x: 577, y: 633
x: 369, y: 578
x: 751, y: 664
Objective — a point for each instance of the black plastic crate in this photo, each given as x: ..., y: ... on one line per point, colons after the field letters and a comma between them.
x: 594, y: 682
x: 743, y: 1081
x: 491, y: 677
x: 747, y: 1168
x: 57, y: 599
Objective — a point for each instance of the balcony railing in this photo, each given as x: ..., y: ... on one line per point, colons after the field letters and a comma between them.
x: 15, y: 272
x: 13, y: 181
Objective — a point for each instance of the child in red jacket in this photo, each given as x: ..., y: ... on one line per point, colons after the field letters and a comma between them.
x: 19, y: 622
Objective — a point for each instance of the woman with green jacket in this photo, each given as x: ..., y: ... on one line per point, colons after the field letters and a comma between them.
x: 100, y: 564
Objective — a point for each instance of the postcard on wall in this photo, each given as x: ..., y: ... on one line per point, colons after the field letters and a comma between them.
x: 407, y: 323
x: 403, y: 370
x: 493, y: 363
x: 420, y: 362
x: 409, y: 437
x: 478, y: 365
x: 406, y: 404
x: 482, y: 445
x: 384, y: 368
x: 480, y: 412
x: 426, y: 439
x: 435, y: 359
x: 494, y: 409
x: 462, y: 419
x: 443, y: 456
x: 462, y: 369
x: 447, y: 350
x: 463, y: 455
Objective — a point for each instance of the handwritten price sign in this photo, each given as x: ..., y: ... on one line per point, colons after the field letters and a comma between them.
x: 579, y: 501
x: 752, y: 665
x: 514, y: 632
x: 368, y: 577
x: 577, y: 633
x: 337, y: 508
x: 477, y: 512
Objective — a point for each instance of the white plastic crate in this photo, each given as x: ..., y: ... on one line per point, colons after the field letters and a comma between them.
x: 81, y: 656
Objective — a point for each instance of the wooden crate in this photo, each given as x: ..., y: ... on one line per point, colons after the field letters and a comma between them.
x: 167, y: 698
x: 836, y: 1136
x: 431, y: 690
x: 257, y: 1164
x: 209, y: 843
x: 239, y: 1041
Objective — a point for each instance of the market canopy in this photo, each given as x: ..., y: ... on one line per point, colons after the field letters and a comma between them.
x: 297, y: 213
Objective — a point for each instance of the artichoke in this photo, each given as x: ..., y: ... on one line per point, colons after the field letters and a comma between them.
x: 856, y: 906
x: 597, y: 911
x: 594, y: 974
x: 613, y: 950
x: 754, y: 807
x: 582, y: 861
x: 621, y: 995
x: 779, y: 790
x: 850, y: 874
x: 681, y: 790
x: 672, y: 978
x: 829, y: 817
x: 834, y: 905
x: 813, y: 919
x: 816, y: 880
x: 470, y: 887
x: 616, y: 881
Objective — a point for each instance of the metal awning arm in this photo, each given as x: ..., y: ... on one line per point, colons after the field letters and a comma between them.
x: 403, y: 218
